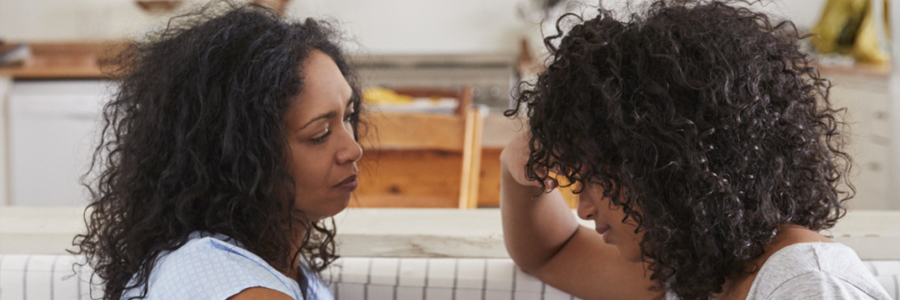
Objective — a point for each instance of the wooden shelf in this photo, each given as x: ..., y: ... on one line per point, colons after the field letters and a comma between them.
x: 65, y: 60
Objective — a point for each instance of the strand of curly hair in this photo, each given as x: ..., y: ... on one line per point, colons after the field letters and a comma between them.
x: 703, y: 121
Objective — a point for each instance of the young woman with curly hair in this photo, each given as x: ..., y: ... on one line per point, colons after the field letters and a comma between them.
x: 704, y: 147
x: 231, y: 140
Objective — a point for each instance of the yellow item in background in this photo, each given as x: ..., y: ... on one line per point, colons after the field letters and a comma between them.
x: 376, y: 95
x: 849, y: 27
x: 567, y: 192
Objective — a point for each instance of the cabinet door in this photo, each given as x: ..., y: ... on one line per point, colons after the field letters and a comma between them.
x: 869, y: 132
x: 53, y: 130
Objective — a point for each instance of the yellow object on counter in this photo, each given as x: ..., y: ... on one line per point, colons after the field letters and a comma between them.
x: 849, y: 27
x: 866, y: 47
x: 376, y: 95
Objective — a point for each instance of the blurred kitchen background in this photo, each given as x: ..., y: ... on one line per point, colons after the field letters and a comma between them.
x: 415, y: 57
x: 437, y: 76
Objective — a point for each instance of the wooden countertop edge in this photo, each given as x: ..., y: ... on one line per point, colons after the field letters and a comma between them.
x: 873, y: 71
x: 52, y: 73
x: 104, y: 48
x: 94, y: 72
x: 65, y: 60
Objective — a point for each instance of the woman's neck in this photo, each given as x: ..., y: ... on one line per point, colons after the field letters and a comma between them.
x: 738, y: 286
x: 296, y: 245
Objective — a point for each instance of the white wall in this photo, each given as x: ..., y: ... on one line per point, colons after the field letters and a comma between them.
x: 379, y: 26
x: 416, y: 26
x: 42, y: 20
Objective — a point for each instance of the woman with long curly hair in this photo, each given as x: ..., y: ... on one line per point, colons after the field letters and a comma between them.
x: 702, y: 144
x: 231, y: 140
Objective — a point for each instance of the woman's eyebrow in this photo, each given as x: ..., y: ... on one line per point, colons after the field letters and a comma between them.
x: 328, y: 115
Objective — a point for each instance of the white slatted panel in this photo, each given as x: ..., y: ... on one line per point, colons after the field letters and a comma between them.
x: 65, y: 284
x: 43, y: 277
x: 436, y: 279
x: 887, y: 272
x: 39, y: 283
x: 12, y: 276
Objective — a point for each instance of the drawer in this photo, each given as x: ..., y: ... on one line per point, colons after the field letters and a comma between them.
x: 879, y: 116
x: 872, y: 177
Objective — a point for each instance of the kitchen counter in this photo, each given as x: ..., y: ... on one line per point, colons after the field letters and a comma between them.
x: 64, y: 60
x: 83, y: 60
x: 875, y: 235
x: 859, y: 70
x: 863, y: 89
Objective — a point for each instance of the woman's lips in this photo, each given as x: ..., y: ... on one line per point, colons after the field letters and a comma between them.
x: 348, y: 184
x: 604, y: 231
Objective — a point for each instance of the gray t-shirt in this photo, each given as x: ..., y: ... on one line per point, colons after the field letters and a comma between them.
x: 814, y: 271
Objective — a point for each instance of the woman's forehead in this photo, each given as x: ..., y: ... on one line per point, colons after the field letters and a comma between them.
x: 324, y: 88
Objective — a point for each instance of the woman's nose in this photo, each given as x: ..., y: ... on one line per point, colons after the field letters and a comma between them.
x: 350, y: 150
x: 351, y: 153
x: 586, y: 208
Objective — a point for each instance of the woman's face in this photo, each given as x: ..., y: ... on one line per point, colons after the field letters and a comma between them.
x: 608, y: 222
x: 323, y: 150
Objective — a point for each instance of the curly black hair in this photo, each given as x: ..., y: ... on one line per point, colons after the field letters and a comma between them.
x: 193, y: 141
x: 703, y: 121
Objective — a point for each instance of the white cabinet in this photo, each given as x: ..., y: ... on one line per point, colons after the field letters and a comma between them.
x: 868, y: 102
x: 53, y: 127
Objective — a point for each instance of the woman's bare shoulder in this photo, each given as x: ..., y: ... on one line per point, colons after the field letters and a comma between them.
x: 257, y: 293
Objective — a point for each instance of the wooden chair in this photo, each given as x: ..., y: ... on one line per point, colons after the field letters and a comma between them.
x: 420, y: 159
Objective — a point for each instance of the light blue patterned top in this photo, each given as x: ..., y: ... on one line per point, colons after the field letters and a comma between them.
x: 215, y: 267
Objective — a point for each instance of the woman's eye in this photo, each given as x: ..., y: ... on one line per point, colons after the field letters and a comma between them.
x: 320, y: 139
x: 348, y: 117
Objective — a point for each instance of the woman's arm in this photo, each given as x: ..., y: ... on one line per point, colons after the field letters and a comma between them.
x: 535, y: 225
x: 544, y: 239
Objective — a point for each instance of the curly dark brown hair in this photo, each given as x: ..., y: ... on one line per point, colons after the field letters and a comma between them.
x: 193, y: 141
x: 711, y: 120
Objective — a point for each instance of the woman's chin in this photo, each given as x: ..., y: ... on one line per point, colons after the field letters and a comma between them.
x: 331, y: 208
x: 321, y: 209
x: 340, y: 206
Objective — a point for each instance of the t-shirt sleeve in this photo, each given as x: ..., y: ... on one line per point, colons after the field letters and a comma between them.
x: 819, y: 285
x: 214, y: 270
